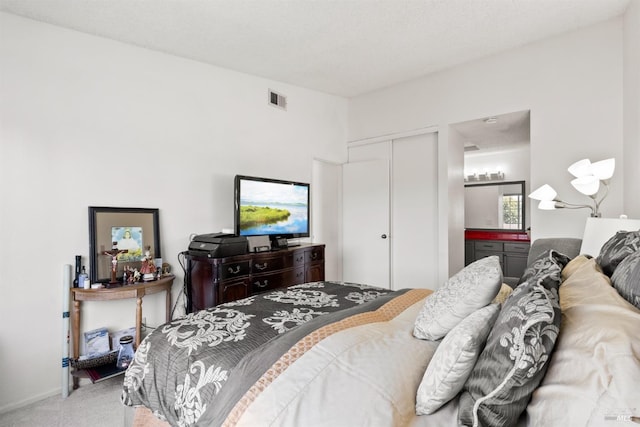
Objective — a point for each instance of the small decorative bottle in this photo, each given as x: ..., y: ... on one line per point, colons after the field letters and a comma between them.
x: 125, y: 354
x: 83, y: 279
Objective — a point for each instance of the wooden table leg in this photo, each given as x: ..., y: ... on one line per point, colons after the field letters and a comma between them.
x: 138, y: 320
x: 168, y: 306
x: 76, y: 338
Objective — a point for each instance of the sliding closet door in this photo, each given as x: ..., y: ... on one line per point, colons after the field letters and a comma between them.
x: 414, y: 212
x: 411, y: 206
x: 366, y: 222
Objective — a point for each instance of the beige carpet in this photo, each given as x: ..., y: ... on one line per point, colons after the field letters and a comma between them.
x: 96, y: 405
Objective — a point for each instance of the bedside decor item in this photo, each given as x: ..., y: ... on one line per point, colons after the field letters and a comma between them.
x: 113, y: 253
x: 148, y: 267
x: 125, y: 353
x: 590, y: 178
x: 125, y: 230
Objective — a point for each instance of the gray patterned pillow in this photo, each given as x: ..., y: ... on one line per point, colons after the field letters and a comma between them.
x: 626, y: 278
x: 616, y: 249
x: 544, y: 263
x: 471, y: 288
x: 517, y: 352
x: 454, y: 359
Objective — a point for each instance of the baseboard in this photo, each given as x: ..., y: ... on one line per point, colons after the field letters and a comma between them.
x: 38, y: 397
x: 17, y: 405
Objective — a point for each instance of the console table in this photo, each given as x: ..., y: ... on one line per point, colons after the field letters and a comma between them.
x: 137, y: 290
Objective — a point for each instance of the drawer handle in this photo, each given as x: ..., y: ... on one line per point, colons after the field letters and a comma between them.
x: 261, y: 266
x: 300, y: 274
x: 258, y: 284
x: 234, y: 271
x: 314, y: 256
x: 300, y: 259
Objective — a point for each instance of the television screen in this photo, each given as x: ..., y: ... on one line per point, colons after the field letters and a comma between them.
x: 272, y: 207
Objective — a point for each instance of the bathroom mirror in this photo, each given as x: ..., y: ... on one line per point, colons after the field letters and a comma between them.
x: 494, y: 206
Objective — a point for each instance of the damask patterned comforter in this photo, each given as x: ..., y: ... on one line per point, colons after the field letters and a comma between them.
x: 183, y: 367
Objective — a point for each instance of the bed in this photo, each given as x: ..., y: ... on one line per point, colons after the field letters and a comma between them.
x: 561, y: 348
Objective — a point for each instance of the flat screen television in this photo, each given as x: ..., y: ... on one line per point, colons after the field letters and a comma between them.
x: 271, y: 207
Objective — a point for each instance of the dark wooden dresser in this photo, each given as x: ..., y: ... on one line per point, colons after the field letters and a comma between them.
x: 213, y: 281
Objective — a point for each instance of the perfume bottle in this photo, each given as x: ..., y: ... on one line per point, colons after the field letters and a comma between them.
x: 83, y: 279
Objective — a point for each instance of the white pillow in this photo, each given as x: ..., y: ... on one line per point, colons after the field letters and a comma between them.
x: 454, y: 360
x: 471, y: 288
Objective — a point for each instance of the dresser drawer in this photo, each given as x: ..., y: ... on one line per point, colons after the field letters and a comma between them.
x: 314, y: 255
x: 230, y: 270
x: 232, y: 290
x: 267, y: 282
x: 488, y: 246
x: 522, y: 248
x: 264, y: 265
x: 298, y: 259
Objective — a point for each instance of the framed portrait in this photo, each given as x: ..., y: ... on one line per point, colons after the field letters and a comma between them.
x: 127, y: 230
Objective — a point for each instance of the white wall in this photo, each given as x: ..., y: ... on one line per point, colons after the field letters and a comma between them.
x: 85, y: 121
x: 326, y: 220
x: 632, y: 110
x: 572, y: 84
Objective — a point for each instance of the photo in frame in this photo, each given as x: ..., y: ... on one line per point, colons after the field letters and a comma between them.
x: 132, y: 229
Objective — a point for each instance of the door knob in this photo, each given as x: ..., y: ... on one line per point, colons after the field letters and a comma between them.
x: 384, y: 236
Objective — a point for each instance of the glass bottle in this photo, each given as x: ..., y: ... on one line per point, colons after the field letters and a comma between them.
x: 125, y: 354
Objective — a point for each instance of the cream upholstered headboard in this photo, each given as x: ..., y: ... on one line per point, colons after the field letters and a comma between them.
x: 599, y: 230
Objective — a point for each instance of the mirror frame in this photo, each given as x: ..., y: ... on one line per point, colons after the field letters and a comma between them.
x: 524, y: 210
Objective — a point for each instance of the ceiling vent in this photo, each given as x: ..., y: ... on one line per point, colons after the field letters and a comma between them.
x: 471, y: 147
x: 277, y: 100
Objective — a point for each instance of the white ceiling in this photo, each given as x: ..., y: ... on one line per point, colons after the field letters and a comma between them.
x: 504, y: 132
x: 340, y: 47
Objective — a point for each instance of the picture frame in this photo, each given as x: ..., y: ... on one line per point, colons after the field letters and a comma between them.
x: 110, y: 224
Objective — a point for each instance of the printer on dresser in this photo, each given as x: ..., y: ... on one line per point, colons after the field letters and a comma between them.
x: 214, y: 280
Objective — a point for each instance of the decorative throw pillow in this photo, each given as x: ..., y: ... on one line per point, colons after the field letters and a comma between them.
x: 626, y: 278
x: 471, y: 288
x: 546, y: 262
x: 518, y: 348
x: 454, y: 359
x: 617, y: 248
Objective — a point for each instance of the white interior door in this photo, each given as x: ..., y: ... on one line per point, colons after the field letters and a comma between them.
x: 366, y: 247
